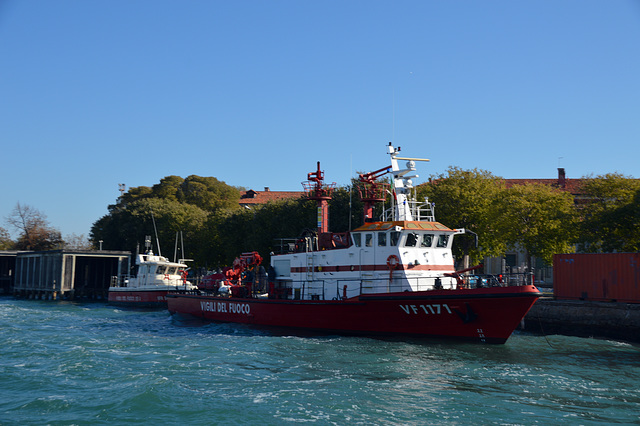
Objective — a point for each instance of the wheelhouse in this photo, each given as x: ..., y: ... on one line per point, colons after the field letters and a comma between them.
x: 422, y: 235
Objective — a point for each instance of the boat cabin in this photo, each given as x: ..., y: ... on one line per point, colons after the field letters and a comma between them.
x: 154, y: 271
x: 416, y: 235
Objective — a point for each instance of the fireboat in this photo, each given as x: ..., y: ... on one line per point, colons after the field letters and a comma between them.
x: 392, y: 276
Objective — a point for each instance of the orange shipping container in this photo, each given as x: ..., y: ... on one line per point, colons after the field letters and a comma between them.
x: 597, y: 276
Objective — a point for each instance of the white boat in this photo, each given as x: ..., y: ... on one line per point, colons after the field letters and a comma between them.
x: 155, y: 276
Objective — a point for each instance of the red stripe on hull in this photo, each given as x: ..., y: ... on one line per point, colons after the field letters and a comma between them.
x: 483, y: 315
x: 140, y: 298
x: 368, y: 268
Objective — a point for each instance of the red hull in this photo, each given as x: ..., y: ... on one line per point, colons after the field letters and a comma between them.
x: 139, y: 298
x: 483, y: 315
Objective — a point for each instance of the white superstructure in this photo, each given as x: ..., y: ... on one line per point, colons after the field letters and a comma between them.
x: 155, y: 272
x: 406, y: 250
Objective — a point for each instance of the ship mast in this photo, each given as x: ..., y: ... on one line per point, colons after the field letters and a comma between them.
x: 402, y: 183
x: 372, y: 190
x: 317, y: 190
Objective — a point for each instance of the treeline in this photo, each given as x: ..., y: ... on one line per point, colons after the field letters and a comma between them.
x: 36, y: 233
x: 541, y: 220
x: 205, y: 213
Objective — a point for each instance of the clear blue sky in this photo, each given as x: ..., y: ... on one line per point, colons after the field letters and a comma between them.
x: 97, y: 93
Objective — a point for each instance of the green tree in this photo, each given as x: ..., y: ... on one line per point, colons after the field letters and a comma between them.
x: 608, y: 200
x: 208, y: 193
x: 168, y: 188
x: 345, y: 209
x: 126, y: 228
x: 537, y: 218
x: 194, y: 206
x: 627, y: 231
x: 259, y: 229
x: 466, y: 199
x: 133, y: 194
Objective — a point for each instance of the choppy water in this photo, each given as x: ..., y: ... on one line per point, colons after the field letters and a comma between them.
x: 68, y: 363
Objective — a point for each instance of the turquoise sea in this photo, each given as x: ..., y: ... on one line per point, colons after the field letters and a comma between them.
x: 64, y: 363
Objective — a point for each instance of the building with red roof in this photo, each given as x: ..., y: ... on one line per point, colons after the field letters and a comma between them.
x: 572, y: 186
x: 252, y: 198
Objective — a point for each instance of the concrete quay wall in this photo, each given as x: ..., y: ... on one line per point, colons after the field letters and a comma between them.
x: 610, y: 320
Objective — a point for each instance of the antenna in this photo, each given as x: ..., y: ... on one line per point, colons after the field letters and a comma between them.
x: 122, y: 188
x: 175, y: 249
x: 350, y: 187
x: 156, y: 231
x: 393, y: 115
x: 182, y: 244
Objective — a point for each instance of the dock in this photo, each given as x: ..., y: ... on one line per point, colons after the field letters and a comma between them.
x: 583, y: 318
x: 62, y: 274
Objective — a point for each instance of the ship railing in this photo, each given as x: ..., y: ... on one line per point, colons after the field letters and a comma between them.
x: 420, y: 211
x: 115, y: 281
x: 356, y: 287
x: 119, y: 280
x: 347, y: 288
x: 497, y: 280
x: 368, y: 286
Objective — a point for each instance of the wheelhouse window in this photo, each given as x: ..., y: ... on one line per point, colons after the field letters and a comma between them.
x: 394, y: 238
x: 427, y: 240
x: 161, y: 269
x: 412, y: 240
x: 382, y: 239
x: 357, y: 239
x: 443, y: 240
x: 368, y: 240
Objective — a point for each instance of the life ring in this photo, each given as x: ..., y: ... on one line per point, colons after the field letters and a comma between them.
x: 393, y: 261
